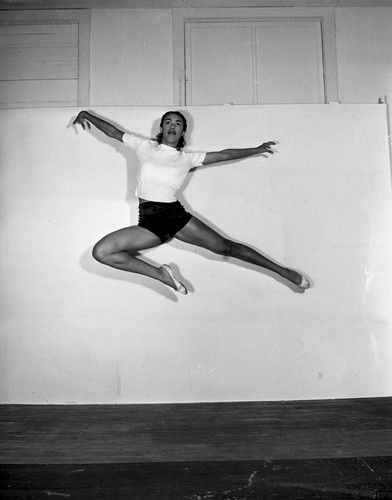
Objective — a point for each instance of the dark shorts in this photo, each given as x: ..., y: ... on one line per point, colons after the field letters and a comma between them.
x: 163, y: 219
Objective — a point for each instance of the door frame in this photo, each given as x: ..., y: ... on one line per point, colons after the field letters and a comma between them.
x: 181, y: 17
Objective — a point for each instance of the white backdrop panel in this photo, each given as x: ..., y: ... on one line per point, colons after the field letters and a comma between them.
x: 74, y: 331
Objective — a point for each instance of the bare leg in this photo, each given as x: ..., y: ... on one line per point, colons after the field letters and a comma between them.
x: 198, y: 233
x: 120, y: 248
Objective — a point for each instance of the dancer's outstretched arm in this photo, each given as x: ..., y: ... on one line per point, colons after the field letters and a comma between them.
x: 84, y: 119
x: 237, y: 154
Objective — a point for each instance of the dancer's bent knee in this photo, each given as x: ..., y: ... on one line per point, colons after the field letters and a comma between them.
x: 110, y: 259
x: 99, y: 253
x: 102, y: 254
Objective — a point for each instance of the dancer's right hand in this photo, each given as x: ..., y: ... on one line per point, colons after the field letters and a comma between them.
x: 81, y: 119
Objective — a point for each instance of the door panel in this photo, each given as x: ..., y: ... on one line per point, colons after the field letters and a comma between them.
x: 219, y: 65
x: 289, y: 63
x: 260, y: 62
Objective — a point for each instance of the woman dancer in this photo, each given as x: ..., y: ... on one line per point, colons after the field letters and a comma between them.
x: 163, y: 167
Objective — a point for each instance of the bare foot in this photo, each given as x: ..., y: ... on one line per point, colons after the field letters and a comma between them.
x: 171, y: 281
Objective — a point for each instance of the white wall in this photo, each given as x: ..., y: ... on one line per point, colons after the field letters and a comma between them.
x: 74, y: 331
x: 364, y: 54
x: 131, y: 57
x: 132, y: 64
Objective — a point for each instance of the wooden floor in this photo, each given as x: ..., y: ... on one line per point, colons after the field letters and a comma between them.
x: 331, y: 449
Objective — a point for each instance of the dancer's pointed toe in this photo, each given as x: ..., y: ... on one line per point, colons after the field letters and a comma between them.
x: 179, y: 287
x: 305, y: 283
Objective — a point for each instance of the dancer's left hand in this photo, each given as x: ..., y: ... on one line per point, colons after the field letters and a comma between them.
x: 266, y: 147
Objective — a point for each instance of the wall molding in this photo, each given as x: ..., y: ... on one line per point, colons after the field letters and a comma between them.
x: 172, y: 4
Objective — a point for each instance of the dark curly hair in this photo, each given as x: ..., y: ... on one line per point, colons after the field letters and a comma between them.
x: 181, y: 142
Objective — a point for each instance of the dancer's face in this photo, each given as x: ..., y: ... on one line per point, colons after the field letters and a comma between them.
x: 172, y: 129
